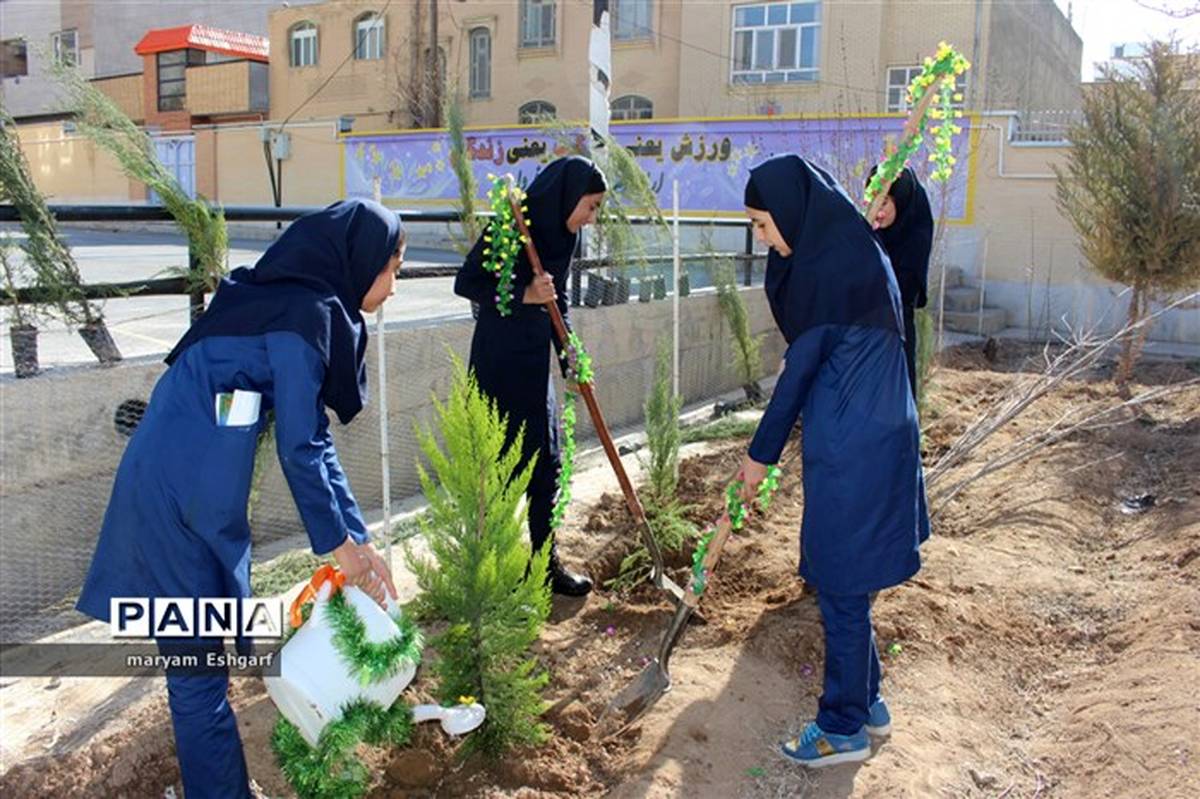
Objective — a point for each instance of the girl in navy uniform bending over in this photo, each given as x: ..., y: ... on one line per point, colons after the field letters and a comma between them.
x: 289, y: 336
x: 835, y: 300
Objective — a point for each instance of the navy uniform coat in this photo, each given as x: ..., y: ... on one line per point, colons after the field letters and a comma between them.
x: 837, y: 304
x: 290, y: 329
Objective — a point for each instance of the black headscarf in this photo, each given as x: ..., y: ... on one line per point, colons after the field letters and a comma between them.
x: 551, y: 198
x: 311, y: 281
x: 837, y: 273
x: 909, y: 239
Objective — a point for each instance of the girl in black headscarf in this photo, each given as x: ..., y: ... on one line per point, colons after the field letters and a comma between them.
x: 904, y: 225
x: 510, y: 354
x: 288, y: 336
x: 836, y: 303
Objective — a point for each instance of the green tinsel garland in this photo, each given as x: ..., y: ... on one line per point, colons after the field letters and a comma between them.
x: 939, y: 72
x: 370, y: 661
x: 502, y: 240
x: 331, y: 769
x: 579, y: 371
x: 737, y: 517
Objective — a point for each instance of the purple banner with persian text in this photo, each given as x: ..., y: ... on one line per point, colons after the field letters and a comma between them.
x: 710, y: 159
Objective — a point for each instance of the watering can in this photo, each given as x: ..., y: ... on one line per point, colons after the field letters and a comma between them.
x: 314, y: 681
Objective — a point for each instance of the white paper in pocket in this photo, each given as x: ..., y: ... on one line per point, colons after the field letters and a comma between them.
x: 244, y: 409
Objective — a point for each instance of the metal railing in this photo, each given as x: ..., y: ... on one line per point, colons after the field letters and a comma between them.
x: 175, y: 286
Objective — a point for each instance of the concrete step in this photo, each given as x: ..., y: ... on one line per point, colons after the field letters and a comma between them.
x: 994, y: 320
x: 962, y: 298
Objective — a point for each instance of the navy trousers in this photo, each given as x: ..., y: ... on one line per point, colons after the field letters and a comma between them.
x: 852, y: 668
x: 207, y: 743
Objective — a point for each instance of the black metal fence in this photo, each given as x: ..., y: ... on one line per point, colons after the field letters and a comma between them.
x: 174, y: 286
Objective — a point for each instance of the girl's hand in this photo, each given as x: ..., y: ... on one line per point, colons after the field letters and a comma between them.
x: 540, y: 291
x: 366, y: 569
x: 751, y: 474
x: 573, y: 387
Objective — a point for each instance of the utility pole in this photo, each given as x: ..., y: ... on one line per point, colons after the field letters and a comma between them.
x: 435, y: 69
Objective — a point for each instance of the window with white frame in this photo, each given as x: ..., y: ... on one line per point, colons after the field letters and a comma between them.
x: 65, y: 46
x: 368, y: 37
x: 481, y: 63
x: 537, y: 23
x: 535, y: 112
x: 303, y: 44
x: 632, y: 106
x: 776, y: 42
x: 898, y: 82
x: 631, y: 20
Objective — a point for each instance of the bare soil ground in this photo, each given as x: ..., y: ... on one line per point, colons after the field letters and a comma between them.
x: 1050, y: 647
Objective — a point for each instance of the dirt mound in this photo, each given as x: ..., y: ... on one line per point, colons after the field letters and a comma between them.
x: 1047, y: 648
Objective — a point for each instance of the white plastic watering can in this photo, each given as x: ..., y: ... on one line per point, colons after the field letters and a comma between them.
x: 314, y: 683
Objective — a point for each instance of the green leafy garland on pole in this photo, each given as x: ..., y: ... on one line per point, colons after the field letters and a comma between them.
x: 502, y: 240
x: 938, y: 75
x: 738, y: 513
x: 579, y: 371
x: 331, y: 769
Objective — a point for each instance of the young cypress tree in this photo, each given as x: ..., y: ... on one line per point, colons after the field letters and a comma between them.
x: 667, y: 516
x: 482, y: 578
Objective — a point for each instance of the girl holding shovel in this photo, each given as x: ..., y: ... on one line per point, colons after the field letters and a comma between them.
x: 510, y: 350
x: 287, y: 335
x: 835, y: 300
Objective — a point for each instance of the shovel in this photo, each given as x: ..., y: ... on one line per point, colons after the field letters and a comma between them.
x: 655, y: 680
x: 658, y: 574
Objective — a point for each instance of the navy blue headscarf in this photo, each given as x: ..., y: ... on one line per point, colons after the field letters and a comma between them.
x: 312, y: 281
x: 837, y: 273
x: 909, y: 239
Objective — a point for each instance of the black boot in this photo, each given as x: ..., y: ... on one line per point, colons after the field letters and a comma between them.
x: 564, y: 582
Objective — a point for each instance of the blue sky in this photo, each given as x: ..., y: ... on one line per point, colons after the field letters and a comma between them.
x: 1103, y: 23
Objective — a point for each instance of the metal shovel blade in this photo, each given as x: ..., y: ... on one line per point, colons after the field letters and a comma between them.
x: 654, y: 681
x: 637, y: 697
x: 658, y: 572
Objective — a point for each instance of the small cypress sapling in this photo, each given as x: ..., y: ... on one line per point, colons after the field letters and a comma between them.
x: 482, y: 578
x: 667, y: 516
x: 747, y: 346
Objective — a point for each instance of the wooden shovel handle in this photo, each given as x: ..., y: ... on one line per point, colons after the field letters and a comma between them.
x: 711, y: 556
x: 912, y: 126
x: 585, y: 389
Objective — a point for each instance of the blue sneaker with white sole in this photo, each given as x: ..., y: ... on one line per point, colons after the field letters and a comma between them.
x: 879, y: 720
x: 816, y: 748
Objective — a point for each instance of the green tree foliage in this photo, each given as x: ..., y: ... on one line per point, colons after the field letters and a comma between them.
x: 460, y: 162
x: 747, y: 347
x: 667, y: 516
x: 100, y: 120
x: 1131, y: 184
x: 46, y: 253
x: 481, y: 577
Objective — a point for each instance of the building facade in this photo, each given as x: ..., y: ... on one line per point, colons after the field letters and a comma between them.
x: 519, y: 61
x: 100, y: 36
